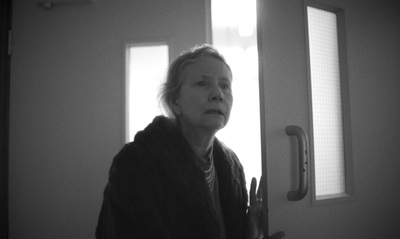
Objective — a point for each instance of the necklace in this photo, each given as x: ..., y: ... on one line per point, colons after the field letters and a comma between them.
x: 206, y: 163
x: 210, y: 174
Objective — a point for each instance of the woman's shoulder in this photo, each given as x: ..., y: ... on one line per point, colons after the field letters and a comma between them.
x: 223, y: 150
x: 131, y: 159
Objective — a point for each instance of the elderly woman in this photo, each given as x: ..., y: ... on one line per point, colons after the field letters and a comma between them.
x: 176, y: 179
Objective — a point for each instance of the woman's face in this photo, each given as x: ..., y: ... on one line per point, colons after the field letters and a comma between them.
x: 205, y: 99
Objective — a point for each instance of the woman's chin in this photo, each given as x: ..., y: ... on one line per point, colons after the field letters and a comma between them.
x: 216, y: 123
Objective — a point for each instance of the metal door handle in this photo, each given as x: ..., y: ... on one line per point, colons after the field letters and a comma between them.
x: 302, y: 141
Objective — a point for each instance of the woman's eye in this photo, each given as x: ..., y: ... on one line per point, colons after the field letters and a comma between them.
x: 225, y: 86
x: 201, y: 83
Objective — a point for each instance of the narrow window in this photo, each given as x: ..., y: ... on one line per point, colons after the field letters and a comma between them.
x: 234, y: 35
x: 146, y: 66
x: 328, y: 84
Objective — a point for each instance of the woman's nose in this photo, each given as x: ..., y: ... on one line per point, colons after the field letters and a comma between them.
x: 216, y: 93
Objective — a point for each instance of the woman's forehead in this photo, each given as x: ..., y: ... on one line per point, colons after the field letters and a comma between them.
x: 208, y: 67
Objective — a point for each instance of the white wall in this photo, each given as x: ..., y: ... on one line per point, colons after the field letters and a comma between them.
x: 67, y: 104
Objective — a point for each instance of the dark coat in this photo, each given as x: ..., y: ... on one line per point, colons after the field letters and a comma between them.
x: 156, y: 190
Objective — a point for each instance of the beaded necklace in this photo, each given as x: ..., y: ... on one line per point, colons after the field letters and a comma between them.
x: 210, y: 174
x: 207, y: 166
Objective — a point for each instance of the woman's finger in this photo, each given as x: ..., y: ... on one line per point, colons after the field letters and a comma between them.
x: 259, y: 191
x: 253, y: 186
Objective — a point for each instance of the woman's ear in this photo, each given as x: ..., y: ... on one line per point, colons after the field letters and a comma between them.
x: 175, y: 107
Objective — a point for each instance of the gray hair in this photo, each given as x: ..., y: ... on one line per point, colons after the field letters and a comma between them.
x: 171, y: 87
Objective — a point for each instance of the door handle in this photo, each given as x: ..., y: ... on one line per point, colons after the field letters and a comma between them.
x: 303, y: 150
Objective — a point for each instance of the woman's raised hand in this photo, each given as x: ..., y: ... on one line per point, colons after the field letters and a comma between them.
x: 254, y: 214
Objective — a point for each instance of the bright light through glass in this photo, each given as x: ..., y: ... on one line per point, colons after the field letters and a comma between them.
x: 235, y: 14
x: 146, y: 67
x: 234, y: 35
x: 326, y: 103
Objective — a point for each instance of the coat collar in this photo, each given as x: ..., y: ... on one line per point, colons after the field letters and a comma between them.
x: 176, y: 160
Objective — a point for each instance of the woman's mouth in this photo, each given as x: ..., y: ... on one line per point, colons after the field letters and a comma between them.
x: 214, y: 111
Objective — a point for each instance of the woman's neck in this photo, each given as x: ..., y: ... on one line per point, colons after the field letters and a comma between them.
x: 199, y: 140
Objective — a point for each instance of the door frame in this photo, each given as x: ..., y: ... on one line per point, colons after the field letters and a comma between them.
x: 264, y: 166
x: 5, y: 59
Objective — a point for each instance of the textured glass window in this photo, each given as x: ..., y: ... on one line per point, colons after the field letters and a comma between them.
x: 146, y: 67
x: 327, y: 117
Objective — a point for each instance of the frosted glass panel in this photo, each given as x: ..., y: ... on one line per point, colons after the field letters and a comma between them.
x: 326, y: 103
x: 146, y: 68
